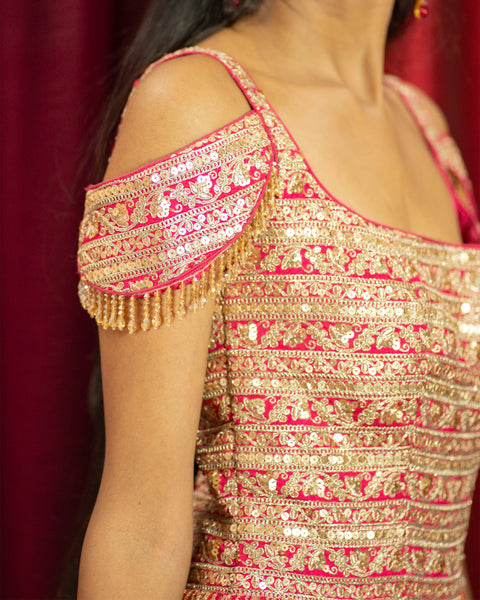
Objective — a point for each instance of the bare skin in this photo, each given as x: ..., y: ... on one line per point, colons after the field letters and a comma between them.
x: 138, y: 543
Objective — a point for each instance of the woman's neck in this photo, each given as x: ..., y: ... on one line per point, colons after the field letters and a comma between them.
x: 308, y: 41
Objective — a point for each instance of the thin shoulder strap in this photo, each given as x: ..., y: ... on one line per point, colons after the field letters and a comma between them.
x: 446, y: 154
x: 441, y: 143
x: 252, y: 93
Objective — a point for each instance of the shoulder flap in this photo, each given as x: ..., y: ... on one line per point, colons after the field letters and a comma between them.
x: 186, y: 219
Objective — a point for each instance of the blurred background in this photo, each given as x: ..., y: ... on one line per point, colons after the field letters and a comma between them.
x: 56, y: 62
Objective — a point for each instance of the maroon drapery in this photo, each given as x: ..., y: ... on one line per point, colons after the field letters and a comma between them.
x: 54, y: 59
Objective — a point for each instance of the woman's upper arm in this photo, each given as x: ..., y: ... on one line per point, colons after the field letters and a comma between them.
x: 153, y: 380
x: 152, y: 385
x: 157, y: 242
x: 148, y: 233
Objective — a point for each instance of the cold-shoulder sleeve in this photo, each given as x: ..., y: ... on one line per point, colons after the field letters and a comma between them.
x: 189, y: 218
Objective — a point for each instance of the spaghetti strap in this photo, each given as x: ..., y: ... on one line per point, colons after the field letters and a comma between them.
x: 446, y: 154
x: 439, y: 140
x: 250, y: 90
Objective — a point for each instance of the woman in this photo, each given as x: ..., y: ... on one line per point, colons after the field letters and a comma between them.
x: 329, y: 387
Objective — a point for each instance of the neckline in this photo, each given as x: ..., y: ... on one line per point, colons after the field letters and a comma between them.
x: 260, y: 103
x: 391, y: 228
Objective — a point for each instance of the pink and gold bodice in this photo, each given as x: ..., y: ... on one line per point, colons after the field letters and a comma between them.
x: 339, y: 440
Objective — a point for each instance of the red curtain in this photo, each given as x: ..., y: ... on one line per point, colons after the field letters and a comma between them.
x: 55, y: 58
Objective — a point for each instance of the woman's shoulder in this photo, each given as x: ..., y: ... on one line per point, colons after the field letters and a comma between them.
x: 176, y: 101
x: 186, y: 190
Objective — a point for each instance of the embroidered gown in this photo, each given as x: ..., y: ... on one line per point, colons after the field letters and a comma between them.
x: 339, y: 439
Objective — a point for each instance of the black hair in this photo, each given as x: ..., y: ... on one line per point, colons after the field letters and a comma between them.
x: 169, y: 25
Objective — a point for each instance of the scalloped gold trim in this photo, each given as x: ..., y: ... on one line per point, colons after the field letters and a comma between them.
x: 115, y: 311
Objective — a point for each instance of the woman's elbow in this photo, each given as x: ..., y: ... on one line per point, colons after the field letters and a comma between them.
x: 135, y: 556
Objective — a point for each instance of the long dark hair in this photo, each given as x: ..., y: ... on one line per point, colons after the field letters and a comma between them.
x: 172, y: 24
x: 167, y: 25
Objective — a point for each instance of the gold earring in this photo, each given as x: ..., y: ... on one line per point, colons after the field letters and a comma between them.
x: 421, y: 9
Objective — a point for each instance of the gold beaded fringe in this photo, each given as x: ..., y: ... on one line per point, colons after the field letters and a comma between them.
x: 117, y: 311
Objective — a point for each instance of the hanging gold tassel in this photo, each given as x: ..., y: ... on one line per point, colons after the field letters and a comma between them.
x: 113, y: 312
x: 181, y: 309
x: 132, y: 315
x: 203, y: 290
x: 106, y: 306
x: 168, y: 306
x: 194, y: 293
x: 99, y: 307
x: 212, y: 282
x: 90, y: 298
x: 220, y: 269
x: 156, y: 316
x: 145, y: 325
x: 121, y: 313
